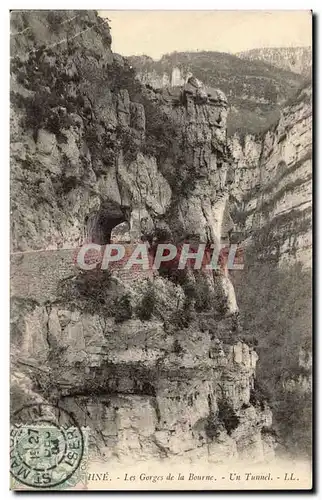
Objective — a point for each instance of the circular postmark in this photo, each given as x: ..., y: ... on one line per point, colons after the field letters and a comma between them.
x: 46, y: 445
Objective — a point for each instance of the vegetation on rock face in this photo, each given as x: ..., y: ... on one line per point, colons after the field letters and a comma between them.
x: 232, y: 75
x: 228, y: 416
x: 94, y: 292
x: 294, y: 419
x: 62, y: 91
x: 244, y: 121
x: 59, y: 87
x: 123, y: 308
x: 267, y: 241
x: 275, y: 305
x: 273, y: 295
x: 258, y: 396
x: 254, y: 88
x: 284, y: 172
x: 98, y: 292
x: 160, y: 132
x: 82, y: 110
x: 146, y: 307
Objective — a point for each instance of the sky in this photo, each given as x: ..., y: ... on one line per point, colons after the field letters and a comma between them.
x: 155, y: 33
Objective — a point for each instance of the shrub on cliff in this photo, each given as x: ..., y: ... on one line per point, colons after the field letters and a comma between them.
x: 228, y: 416
x: 258, y: 395
x: 160, y: 131
x: 94, y: 292
x: 212, y: 428
x: 158, y: 298
x: 123, y: 308
x: 146, y: 308
x: 203, y: 293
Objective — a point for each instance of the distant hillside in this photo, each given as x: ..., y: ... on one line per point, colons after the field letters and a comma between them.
x: 254, y: 88
x: 296, y: 59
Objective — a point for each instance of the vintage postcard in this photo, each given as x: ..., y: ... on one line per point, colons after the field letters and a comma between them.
x: 161, y: 254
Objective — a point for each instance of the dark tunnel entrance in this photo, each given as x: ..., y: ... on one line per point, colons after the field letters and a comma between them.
x: 99, y: 225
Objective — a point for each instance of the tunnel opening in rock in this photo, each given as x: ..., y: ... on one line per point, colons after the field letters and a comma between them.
x: 99, y: 225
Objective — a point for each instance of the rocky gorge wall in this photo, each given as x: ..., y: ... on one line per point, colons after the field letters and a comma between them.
x: 272, y: 199
x: 144, y: 392
x: 273, y: 185
x: 155, y: 367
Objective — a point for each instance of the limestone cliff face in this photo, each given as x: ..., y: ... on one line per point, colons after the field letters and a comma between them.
x: 153, y: 364
x: 146, y: 393
x: 81, y: 149
x: 272, y: 199
x: 297, y: 59
x: 67, y: 105
x: 273, y: 185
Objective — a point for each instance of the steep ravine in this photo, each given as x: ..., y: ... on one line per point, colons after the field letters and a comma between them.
x: 273, y: 184
x: 154, y: 365
x: 272, y: 200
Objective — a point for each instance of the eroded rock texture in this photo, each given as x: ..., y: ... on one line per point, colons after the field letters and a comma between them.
x: 272, y: 198
x: 273, y: 185
x: 154, y: 364
x: 146, y: 392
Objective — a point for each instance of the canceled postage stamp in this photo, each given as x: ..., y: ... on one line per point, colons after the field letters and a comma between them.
x: 46, y: 448
x: 161, y: 249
